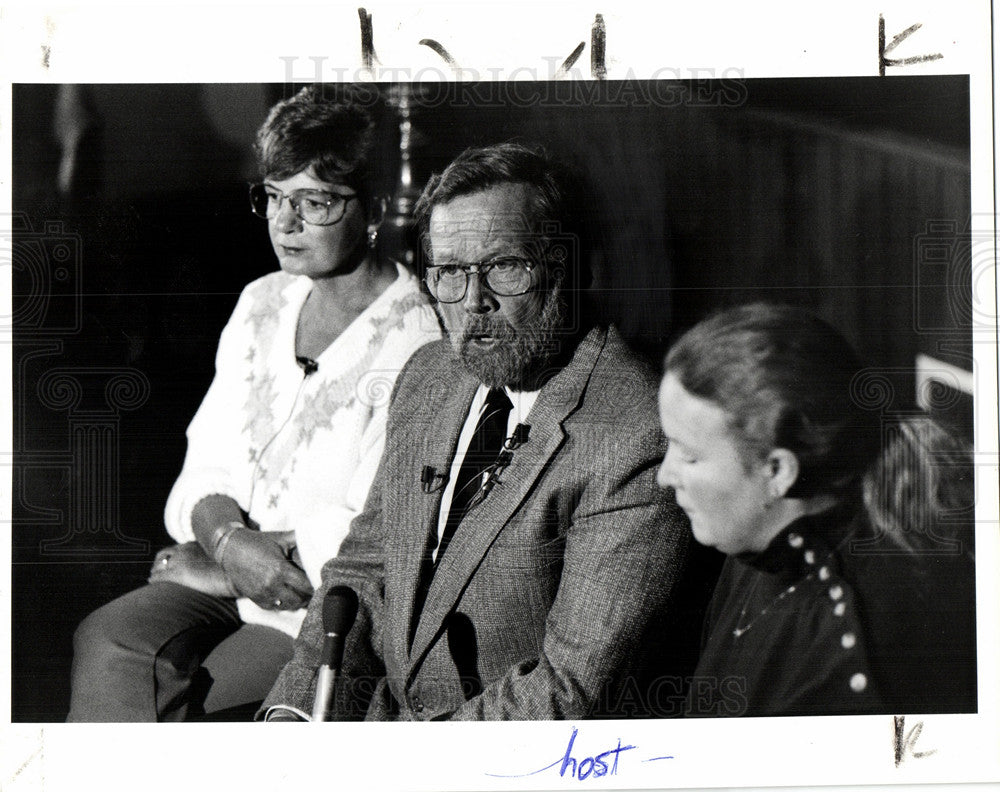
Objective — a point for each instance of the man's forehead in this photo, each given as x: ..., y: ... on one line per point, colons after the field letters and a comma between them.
x: 497, y: 210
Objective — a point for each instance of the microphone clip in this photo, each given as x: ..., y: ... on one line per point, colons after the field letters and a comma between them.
x: 518, y: 438
x: 307, y: 364
x: 431, y: 480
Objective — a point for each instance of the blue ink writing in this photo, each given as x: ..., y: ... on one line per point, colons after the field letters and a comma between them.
x: 592, y: 764
x: 581, y: 768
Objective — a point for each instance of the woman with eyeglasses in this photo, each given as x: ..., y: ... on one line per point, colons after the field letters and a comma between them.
x: 849, y: 582
x: 283, y: 449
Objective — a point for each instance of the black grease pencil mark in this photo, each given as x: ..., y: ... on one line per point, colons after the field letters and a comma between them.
x: 904, y: 746
x: 883, y: 48
x: 896, y: 40
x: 598, y: 43
x: 915, y: 59
x: 50, y: 29
x: 440, y: 51
x: 567, y: 64
x: 368, y: 56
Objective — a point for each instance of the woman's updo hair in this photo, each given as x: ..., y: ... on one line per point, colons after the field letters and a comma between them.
x: 921, y: 489
x: 331, y: 133
x: 784, y: 377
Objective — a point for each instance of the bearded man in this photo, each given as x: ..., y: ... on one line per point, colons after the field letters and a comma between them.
x: 515, y: 559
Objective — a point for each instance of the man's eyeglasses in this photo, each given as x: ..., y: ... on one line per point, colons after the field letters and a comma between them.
x: 506, y: 276
x: 315, y: 207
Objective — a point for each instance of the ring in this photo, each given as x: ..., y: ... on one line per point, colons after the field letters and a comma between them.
x: 277, y: 603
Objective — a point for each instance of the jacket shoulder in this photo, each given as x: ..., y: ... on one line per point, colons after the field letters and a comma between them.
x: 430, y: 360
x: 430, y: 369
x: 623, y: 385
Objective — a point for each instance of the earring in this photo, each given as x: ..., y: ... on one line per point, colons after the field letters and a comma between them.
x: 372, y: 237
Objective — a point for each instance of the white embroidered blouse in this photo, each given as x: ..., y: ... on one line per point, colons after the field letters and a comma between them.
x: 297, y: 451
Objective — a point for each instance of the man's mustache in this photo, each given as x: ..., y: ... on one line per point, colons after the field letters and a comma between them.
x: 495, y: 326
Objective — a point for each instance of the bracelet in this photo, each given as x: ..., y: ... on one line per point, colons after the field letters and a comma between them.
x: 221, y: 538
x: 217, y: 534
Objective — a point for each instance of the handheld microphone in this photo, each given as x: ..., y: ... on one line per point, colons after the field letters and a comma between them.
x: 340, y: 608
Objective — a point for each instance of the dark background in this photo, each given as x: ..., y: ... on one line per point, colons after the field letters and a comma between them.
x: 849, y: 196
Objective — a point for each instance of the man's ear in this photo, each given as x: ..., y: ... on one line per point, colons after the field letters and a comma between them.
x: 782, y: 472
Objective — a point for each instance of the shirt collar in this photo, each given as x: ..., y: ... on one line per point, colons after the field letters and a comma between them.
x: 804, y: 545
x: 522, y: 402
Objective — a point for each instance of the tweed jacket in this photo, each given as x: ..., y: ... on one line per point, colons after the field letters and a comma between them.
x: 550, y: 590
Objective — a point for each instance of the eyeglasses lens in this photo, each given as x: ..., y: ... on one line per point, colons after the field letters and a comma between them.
x: 310, y: 206
x: 506, y: 278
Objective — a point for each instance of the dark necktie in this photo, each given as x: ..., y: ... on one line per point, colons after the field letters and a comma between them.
x: 484, y: 448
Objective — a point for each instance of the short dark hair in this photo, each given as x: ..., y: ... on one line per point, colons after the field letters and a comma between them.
x: 557, y: 203
x: 330, y: 132
x: 784, y: 376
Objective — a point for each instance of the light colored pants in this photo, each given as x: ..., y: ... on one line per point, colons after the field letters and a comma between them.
x: 166, y: 652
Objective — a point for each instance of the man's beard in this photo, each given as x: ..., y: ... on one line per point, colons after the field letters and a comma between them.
x: 520, y: 358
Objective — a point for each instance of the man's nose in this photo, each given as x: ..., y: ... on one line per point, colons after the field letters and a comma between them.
x: 478, y: 299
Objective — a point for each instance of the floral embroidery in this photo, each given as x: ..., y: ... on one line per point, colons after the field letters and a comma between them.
x: 319, y: 403
x: 268, y: 300
x: 319, y: 408
x: 396, y: 316
x: 260, y: 417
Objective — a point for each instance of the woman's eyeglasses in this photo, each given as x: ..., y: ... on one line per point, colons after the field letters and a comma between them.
x: 315, y: 207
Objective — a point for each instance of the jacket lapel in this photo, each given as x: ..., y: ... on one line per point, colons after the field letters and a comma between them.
x: 429, y: 439
x: 557, y: 399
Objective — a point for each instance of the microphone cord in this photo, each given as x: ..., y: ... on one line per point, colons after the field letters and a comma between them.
x: 309, y: 367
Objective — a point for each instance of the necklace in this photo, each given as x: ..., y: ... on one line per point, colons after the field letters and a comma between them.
x: 738, y: 631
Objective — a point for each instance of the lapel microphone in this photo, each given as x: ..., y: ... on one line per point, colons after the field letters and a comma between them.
x: 518, y: 438
x: 308, y: 365
x: 431, y: 480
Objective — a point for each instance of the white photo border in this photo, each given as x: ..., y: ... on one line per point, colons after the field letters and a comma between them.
x: 257, y: 42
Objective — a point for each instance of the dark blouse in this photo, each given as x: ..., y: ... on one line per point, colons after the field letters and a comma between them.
x: 828, y: 620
